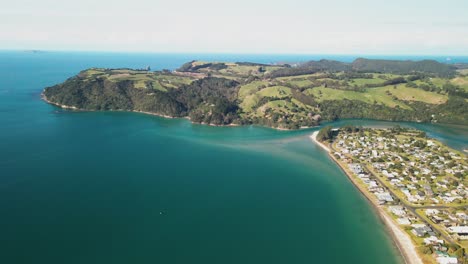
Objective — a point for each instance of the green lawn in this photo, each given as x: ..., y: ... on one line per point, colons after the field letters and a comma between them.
x: 379, y: 95
x: 439, y: 82
x: 461, y: 81
x: 141, y: 76
x: 94, y: 72
x: 249, y: 102
x: 411, y: 94
x: 301, y: 83
x: 322, y: 94
x: 278, y: 106
x: 244, y: 70
x: 371, y: 95
x: 362, y: 82
x: 250, y: 95
x: 143, y: 79
x: 318, y: 75
x: 250, y: 88
x: 275, y: 91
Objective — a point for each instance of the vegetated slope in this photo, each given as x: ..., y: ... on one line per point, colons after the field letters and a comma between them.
x: 210, y: 100
x: 403, y: 67
x: 224, y: 93
x: 369, y: 65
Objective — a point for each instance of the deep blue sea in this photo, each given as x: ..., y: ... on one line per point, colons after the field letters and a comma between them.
x: 102, y: 187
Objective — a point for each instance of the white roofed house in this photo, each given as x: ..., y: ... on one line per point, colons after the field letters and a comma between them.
x: 447, y: 260
x: 404, y: 221
x: 433, y: 240
x: 384, y: 197
x: 430, y: 212
x: 397, y: 210
x: 460, y: 231
x: 420, y: 230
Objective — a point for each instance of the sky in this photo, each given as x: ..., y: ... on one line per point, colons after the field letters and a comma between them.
x: 393, y: 27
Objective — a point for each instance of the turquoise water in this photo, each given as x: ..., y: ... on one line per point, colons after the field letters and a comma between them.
x: 83, y: 187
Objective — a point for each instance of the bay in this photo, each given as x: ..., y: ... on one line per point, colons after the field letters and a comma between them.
x: 115, y: 187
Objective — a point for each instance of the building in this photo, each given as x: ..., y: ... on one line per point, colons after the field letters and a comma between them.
x: 397, y: 210
x: 460, y: 231
x: 447, y: 260
x: 404, y: 221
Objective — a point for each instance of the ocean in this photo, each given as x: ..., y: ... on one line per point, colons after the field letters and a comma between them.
x: 116, y: 187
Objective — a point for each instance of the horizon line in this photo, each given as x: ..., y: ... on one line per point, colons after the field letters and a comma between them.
x: 237, y: 53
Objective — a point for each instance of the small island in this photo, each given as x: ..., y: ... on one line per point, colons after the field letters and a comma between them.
x: 283, y: 96
x: 418, y: 185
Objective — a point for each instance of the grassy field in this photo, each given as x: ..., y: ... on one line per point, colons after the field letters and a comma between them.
x: 362, y: 82
x: 245, y: 70
x: 461, y: 81
x: 234, y: 69
x: 249, y: 102
x: 463, y: 71
x: 301, y: 77
x: 278, y: 105
x: 301, y: 83
x: 94, y: 72
x: 275, y: 91
x: 251, y: 88
x: 438, y: 82
x: 141, y: 79
x: 322, y: 94
x: 383, y: 95
x: 250, y: 94
x: 411, y: 94
x: 371, y: 96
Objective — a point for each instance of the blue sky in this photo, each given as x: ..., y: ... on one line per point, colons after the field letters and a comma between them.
x: 243, y: 26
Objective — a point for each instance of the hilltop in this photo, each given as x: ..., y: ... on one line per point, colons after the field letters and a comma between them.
x: 280, y: 96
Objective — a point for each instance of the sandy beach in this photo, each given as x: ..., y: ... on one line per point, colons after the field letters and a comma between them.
x: 400, y: 238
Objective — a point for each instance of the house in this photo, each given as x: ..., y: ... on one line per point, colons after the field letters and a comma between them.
x: 460, y: 231
x: 384, y: 197
x: 436, y: 219
x: 356, y: 168
x: 432, y: 212
x: 420, y: 230
x: 433, y: 240
x: 447, y: 260
x: 397, y: 210
x: 404, y: 221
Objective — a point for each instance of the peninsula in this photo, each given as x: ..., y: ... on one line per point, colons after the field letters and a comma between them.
x: 418, y: 186
x: 284, y: 96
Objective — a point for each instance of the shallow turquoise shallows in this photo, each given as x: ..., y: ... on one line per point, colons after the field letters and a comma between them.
x: 102, y: 187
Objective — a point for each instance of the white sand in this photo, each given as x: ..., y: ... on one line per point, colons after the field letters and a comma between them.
x: 401, y: 239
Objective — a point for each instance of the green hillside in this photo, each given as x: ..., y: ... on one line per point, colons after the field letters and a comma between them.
x: 281, y: 96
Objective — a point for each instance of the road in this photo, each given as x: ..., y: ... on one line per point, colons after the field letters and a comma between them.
x: 410, y: 207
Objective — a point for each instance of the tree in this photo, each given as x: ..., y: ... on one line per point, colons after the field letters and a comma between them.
x: 325, y: 133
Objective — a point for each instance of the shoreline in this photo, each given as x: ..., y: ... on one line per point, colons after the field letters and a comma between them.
x: 44, y: 98
x: 400, y: 239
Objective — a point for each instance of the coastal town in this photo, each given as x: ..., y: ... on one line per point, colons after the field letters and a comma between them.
x: 417, y: 182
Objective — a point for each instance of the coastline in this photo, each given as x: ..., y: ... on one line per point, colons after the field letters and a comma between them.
x: 44, y: 98
x: 401, y: 240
